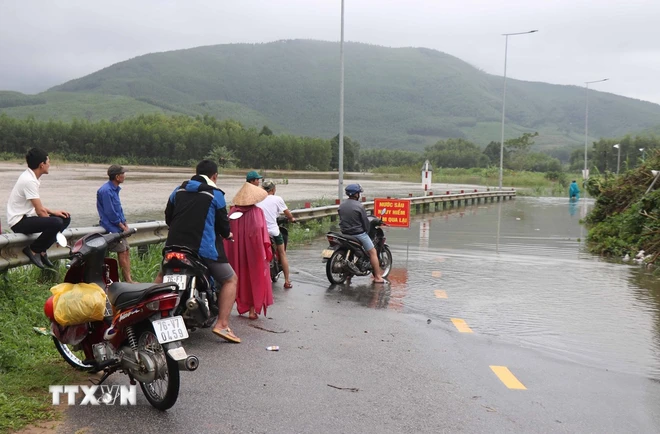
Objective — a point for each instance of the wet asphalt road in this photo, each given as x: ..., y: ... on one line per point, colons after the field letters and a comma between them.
x: 411, y: 376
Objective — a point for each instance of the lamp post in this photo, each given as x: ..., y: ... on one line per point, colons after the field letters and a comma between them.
x: 618, y: 156
x: 340, y: 156
x: 585, y: 172
x: 506, y: 47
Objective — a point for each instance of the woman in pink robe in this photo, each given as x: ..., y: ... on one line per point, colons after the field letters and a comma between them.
x: 250, y: 252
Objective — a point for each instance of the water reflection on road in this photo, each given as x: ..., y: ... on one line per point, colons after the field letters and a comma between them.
x: 517, y: 271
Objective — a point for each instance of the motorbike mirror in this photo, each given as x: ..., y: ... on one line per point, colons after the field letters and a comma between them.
x: 383, y: 211
x: 235, y: 215
x: 61, y: 239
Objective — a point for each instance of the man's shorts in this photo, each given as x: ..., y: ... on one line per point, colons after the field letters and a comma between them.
x: 279, y: 239
x: 221, y: 271
x: 365, y: 240
x: 119, y: 246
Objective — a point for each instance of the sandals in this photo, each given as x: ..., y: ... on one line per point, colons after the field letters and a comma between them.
x: 227, y: 335
x: 288, y: 285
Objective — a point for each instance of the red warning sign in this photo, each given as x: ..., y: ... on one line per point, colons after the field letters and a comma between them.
x: 397, y: 211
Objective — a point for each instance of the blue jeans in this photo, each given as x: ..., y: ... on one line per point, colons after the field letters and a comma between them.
x: 365, y: 240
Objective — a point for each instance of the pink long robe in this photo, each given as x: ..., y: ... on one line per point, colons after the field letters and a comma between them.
x: 249, y: 255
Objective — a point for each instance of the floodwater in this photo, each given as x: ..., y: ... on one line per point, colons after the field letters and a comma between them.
x: 517, y: 271
x: 144, y: 194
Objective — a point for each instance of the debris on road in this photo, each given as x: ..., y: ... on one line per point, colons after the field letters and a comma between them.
x: 350, y: 389
x: 265, y: 329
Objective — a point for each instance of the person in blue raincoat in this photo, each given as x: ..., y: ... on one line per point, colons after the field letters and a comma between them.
x: 574, y: 191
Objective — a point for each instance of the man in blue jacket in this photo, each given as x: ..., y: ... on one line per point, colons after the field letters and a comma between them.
x: 112, y: 219
x: 196, y: 214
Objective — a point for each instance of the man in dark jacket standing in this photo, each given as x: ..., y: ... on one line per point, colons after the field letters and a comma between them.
x: 197, y: 214
x: 353, y: 221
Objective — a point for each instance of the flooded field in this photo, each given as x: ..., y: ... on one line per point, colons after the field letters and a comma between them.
x: 72, y: 187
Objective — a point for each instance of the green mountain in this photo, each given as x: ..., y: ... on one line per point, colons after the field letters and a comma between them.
x: 394, y: 97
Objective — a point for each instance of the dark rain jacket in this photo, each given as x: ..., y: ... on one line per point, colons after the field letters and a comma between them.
x: 197, y: 216
x: 352, y: 217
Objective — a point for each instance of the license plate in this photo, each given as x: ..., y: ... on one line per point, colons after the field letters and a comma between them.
x: 170, y: 329
x: 327, y: 253
x: 179, y: 279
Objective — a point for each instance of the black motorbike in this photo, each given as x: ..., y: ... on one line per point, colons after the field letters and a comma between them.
x: 345, y: 257
x: 275, y: 264
x: 198, y: 296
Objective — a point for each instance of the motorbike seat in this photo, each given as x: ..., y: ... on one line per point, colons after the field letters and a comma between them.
x: 346, y: 236
x: 122, y: 295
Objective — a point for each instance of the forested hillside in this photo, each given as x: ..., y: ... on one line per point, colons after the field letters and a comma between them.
x: 404, y: 98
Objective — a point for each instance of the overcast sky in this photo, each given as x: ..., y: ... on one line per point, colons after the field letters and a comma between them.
x: 47, y: 42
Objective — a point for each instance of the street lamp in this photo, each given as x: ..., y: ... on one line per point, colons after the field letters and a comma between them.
x: 618, y: 156
x: 655, y: 174
x: 585, y: 172
x: 506, y: 47
x: 340, y: 151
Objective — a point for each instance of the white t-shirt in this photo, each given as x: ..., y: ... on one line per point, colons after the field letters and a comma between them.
x: 19, y: 205
x: 272, y: 206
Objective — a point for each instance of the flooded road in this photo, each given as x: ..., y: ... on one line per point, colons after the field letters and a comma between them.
x: 534, y: 285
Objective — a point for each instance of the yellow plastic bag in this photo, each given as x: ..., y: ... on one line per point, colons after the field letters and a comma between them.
x: 78, y: 303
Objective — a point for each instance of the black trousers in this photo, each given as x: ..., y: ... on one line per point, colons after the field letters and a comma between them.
x: 48, y: 226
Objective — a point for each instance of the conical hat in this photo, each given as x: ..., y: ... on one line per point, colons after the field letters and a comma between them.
x: 249, y: 194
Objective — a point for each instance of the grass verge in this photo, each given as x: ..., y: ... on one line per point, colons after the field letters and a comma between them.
x: 530, y: 183
x: 29, y: 362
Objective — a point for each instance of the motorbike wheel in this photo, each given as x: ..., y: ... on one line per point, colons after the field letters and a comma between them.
x: 163, y: 392
x: 386, y: 261
x: 335, y: 259
x: 274, y: 271
x: 72, y: 357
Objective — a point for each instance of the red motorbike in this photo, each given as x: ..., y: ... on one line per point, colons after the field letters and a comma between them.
x: 139, y: 335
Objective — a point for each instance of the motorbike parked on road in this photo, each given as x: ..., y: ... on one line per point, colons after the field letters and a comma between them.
x: 139, y: 335
x: 198, y: 296
x: 345, y: 257
x: 275, y: 265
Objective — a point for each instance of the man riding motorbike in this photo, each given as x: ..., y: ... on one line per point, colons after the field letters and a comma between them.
x: 353, y: 221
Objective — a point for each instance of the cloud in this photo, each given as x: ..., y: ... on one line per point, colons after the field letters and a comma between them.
x: 47, y: 43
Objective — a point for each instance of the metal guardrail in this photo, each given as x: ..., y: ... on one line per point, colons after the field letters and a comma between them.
x: 12, y: 244
x: 156, y: 231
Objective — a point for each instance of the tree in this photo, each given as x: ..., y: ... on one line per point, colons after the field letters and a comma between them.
x: 492, y: 151
x: 455, y: 153
x: 351, y: 153
x: 265, y: 131
x: 521, y: 144
x: 223, y: 156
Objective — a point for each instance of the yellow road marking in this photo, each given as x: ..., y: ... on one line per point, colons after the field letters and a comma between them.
x: 436, y: 274
x: 507, y: 377
x: 440, y: 293
x: 461, y: 325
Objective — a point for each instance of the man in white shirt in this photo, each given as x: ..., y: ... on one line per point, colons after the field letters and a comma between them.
x: 272, y: 206
x: 27, y: 215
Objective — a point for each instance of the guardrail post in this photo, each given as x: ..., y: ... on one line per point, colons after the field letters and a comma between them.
x: 142, y: 250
